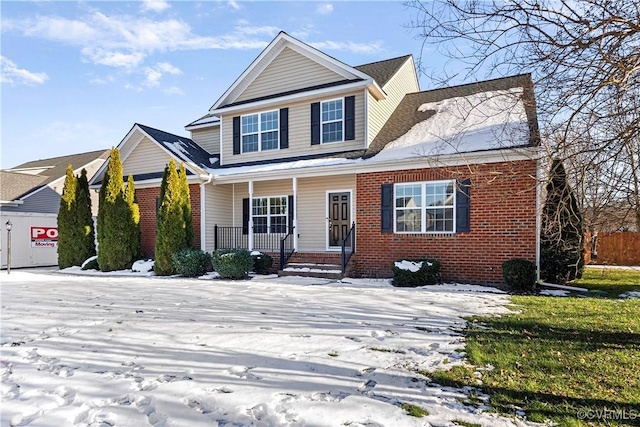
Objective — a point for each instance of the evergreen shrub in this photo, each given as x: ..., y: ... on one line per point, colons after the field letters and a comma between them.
x: 262, y: 263
x: 232, y: 263
x: 427, y: 273
x: 520, y: 274
x: 191, y: 262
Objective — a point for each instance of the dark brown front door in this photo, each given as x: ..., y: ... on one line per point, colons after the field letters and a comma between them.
x: 339, y: 217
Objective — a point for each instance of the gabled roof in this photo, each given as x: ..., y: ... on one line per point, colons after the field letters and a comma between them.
x: 382, y: 71
x: 23, y: 179
x: 412, y: 109
x: 276, y: 46
x: 181, y: 147
x: 205, y: 121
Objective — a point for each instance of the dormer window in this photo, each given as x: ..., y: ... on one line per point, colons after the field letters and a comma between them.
x: 260, y: 131
x: 332, y: 120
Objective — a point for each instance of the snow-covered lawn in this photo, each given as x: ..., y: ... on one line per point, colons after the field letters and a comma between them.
x: 132, y: 351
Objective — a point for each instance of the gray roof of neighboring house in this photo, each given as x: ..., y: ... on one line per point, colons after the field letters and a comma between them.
x: 382, y: 71
x: 15, y: 183
x: 182, y: 147
x: 407, y: 114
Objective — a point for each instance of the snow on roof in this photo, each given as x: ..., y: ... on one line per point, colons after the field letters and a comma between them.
x: 478, y: 122
x: 205, y: 120
x: 285, y: 165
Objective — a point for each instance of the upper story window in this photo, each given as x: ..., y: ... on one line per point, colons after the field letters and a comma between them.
x: 260, y: 131
x: 425, y: 207
x: 332, y: 120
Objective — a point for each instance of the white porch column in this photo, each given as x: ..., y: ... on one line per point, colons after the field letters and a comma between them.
x: 295, y: 214
x: 203, y: 223
x: 250, y: 216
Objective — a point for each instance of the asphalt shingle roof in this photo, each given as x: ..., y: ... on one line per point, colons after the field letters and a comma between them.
x: 382, y: 71
x: 182, y: 147
x: 406, y: 115
x: 15, y: 183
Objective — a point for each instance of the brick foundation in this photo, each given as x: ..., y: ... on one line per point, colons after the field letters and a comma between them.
x: 147, y: 202
x: 503, y: 223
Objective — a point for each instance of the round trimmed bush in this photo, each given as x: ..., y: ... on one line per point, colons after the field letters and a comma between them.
x: 413, y: 273
x: 191, y: 262
x: 232, y: 263
x: 262, y: 263
x: 520, y: 274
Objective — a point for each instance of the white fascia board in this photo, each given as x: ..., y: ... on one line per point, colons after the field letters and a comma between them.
x: 460, y: 159
x: 295, y: 97
x: 203, y: 126
x: 123, y: 153
x: 11, y: 202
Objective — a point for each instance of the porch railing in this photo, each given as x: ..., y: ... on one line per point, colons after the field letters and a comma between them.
x: 286, y: 248
x: 233, y: 238
x: 348, y: 247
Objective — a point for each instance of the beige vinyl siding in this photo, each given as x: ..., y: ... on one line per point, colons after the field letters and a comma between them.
x: 299, y: 133
x: 218, y: 210
x: 208, y: 138
x: 288, y: 71
x: 147, y: 157
x: 402, y: 83
x: 282, y: 187
x: 312, y: 208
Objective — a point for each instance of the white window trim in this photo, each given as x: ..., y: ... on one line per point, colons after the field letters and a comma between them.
x: 332, y: 121
x: 424, y: 207
x: 260, y: 131
x: 269, y: 215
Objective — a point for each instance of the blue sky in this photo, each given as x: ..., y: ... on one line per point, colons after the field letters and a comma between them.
x: 77, y: 75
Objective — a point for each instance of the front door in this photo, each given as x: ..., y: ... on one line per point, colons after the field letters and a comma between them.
x: 339, y: 217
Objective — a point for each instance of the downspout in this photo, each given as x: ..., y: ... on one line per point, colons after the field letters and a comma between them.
x: 203, y: 211
x: 538, y: 216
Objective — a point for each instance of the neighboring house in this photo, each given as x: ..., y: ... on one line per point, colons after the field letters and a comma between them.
x: 30, y: 199
x: 307, y: 155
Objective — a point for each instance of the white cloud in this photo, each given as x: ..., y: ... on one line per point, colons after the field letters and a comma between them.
x: 234, y: 4
x: 11, y: 74
x: 173, y: 91
x: 325, y: 9
x: 349, y: 46
x: 153, y: 75
x: 125, y: 42
x: 154, y: 5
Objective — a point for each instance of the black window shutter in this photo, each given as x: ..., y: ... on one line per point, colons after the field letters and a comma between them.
x: 315, y: 123
x: 236, y: 135
x: 290, y: 208
x: 284, y: 128
x: 386, y: 208
x: 463, y: 205
x: 350, y: 118
x: 245, y: 216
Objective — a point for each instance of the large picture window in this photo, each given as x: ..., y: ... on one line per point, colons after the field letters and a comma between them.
x: 260, y: 132
x: 270, y: 214
x: 425, y: 207
x: 332, y: 120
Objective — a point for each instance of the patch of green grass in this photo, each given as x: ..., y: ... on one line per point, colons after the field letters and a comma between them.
x: 386, y: 350
x: 414, y: 411
x: 333, y: 354
x: 466, y: 424
x: 612, y: 281
x: 556, y: 357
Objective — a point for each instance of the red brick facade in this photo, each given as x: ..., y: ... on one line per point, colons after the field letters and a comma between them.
x: 147, y: 202
x: 503, y: 223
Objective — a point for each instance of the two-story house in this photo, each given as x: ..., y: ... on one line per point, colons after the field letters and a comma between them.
x: 307, y: 156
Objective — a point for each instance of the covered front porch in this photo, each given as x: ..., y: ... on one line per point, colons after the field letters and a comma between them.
x: 309, y: 217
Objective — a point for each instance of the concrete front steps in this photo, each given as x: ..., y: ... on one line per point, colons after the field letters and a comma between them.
x: 321, y: 265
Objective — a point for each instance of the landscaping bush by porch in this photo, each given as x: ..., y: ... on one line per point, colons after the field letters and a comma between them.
x: 412, y: 273
x: 262, y: 263
x: 520, y: 274
x: 232, y: 263
x: 191, y: 262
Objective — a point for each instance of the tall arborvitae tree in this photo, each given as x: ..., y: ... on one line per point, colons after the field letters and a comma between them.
x: 114, y: 232
x: 86, y: 246
x: 130, y: 196
x: 561, y: 248
x: 186, y: 205
x: 171, y: 227
x: 67, y: 221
